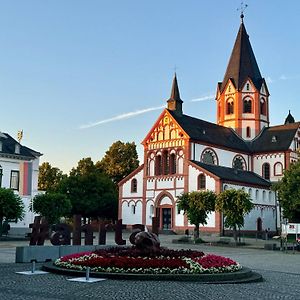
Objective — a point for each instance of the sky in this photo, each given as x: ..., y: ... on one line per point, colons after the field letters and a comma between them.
x: 78, y: 75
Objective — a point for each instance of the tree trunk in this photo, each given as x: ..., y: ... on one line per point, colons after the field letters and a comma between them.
x: 235, y: 235
x: 196, y: 231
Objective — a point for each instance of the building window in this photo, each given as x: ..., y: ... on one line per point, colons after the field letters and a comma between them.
x: 166, y: 162
x: 133, y: 185
x: 0, y: 146
x: 201, y: 182
x: 266, y: 171
x: 209, y: 157
x: 247, y: 106
x: 263, y: 110
x: 229, y: 88
x: 1, y: 174
x: 248, y: 132
x: 158, y: 165
x: 278, y: 169
x: 14, y: 180
x: 173, y: 163
x: 247, y: 86
x: 239, y: 163
x: 229, y: 107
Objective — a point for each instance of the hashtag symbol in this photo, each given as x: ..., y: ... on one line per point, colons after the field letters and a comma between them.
x: 40, y: 229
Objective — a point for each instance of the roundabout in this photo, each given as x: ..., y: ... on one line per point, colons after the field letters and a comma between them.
x: 163, y: 264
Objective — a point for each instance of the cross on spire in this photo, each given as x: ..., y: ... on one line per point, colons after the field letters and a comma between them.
x: 242, y: 10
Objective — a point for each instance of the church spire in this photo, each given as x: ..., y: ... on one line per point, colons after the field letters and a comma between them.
x: 175, y: 102
x: 242, y: 63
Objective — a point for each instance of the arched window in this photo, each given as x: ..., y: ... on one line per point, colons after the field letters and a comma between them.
x: 133, y: 185
x: 209, y: 157
x: 248, y: 132
x: 263, y: 110
x: 158, y: 165
x: 266, y: 171
x: 229, y: 107
x: 264, y: 195
x: 166, y: 162
x: 278, y: 169
x: 239, y: 163
x: 201, y: 182
x: 247, y: 106
x: 173, y: 163
x: 256, y: 194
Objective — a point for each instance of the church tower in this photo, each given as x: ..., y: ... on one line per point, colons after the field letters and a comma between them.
x: 243, y: 97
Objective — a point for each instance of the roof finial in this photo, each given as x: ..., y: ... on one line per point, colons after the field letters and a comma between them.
x: 242, y: 9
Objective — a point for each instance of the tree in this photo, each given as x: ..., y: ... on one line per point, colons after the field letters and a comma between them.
x: 49, y: 177
x: 85, y: 166
x: 119, y: 161
x: 52, y: 206
x: 234, y: 204
x: 11, y: 206
x: 91, y: 195
x: 197, y: 206
x: 288, y: 189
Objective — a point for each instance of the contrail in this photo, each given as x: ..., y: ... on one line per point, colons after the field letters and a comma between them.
x: 203, y: 98
x: 122, y: 116
x: 136, y: 113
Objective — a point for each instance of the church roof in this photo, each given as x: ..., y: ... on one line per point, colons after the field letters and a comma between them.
x: 175, y: 95
x: 210, y: 133
x: 275, y: 138
x: 231, y: 174
x: 242, y: 63
x: 8, y: 147
x: 289, y: 119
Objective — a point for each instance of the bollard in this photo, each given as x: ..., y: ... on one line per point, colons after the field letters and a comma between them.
x: 33, y: 266
x: 87, y: 274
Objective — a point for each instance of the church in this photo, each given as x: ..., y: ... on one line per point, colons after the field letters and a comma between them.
x: 240, y: 151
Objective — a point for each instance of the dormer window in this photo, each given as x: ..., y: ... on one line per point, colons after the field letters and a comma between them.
x: 17, y: 149
x: 274, y: 139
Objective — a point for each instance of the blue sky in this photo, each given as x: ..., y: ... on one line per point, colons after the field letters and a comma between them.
x: 68, y: 64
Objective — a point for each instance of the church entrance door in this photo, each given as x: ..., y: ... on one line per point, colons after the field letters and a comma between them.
x: 166, y: 218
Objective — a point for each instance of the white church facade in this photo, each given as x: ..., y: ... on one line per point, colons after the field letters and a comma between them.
x: 241, y: 151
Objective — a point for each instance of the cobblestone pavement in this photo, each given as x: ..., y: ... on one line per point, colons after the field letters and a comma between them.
x: 281, y: 274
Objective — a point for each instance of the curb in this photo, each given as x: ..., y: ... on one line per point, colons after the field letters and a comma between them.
x: 245, y: 275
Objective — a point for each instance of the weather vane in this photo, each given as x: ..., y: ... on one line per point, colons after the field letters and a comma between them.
x: 20, y: 135
x: 242, y: 9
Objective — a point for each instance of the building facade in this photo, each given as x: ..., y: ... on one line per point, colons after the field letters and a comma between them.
x: 19, y: 168
x: 241, y: 151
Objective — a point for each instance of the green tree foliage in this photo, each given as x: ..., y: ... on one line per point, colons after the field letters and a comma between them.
x: 197, y: 206
x: 84, y: 167
x: 49, y: 177
x: 288, y: 189
x: 119, y: 161
x: 11, y: 206
x: 92, y: 195
x: 234, y: 204
x: 52, y: 206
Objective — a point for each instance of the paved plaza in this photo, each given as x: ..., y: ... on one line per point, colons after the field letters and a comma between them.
x: 281, y: 272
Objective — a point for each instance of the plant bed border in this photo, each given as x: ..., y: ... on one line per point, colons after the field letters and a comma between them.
x: 245, y: 275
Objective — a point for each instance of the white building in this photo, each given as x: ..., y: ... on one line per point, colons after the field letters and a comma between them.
x: 19, y: 168
x: 240, y: 151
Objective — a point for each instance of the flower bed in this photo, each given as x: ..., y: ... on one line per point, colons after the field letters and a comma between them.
x: 164, y: 261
